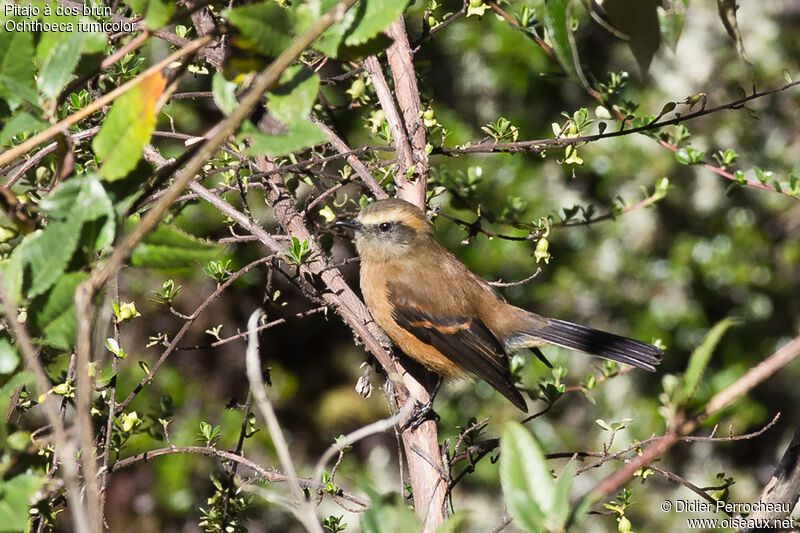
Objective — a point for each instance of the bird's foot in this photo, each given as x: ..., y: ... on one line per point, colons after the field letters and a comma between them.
x: 422, y: 413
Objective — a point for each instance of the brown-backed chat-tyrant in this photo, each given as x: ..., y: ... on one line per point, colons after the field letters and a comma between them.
x: 446, y: 317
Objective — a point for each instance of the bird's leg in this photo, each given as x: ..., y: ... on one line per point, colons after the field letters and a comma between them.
x: 423, y: 412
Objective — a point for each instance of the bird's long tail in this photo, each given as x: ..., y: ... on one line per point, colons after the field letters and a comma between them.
x: 591, y: 341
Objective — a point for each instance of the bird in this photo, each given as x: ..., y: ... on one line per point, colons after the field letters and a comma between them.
x: 449, y: 319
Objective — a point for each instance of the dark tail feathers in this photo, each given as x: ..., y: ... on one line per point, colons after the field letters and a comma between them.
x: 600, y: 343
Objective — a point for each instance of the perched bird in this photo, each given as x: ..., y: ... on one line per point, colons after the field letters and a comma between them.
x: 449, y: 319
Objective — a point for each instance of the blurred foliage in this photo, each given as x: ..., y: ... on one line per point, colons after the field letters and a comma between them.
x: 634, y: 234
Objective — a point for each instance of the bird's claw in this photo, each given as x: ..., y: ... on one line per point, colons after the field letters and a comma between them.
x: 422, y: 413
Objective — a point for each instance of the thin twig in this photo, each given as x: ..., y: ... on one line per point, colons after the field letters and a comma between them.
x: 63, y: 125
x: 550, y: 144
x: 268, y: 474
x: 304, y: 510
x: 738, y: 388
x: 65, y: 447
x: 378, y: 426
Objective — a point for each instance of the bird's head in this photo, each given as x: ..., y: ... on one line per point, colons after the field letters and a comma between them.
x: 388, y: 229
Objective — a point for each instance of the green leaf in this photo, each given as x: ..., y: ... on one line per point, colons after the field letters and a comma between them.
x: 61, y: 60
x: 90, y: 42
x: 527, y: 484
x: 671, y: 22
x: 12, y: 273
x: 169, y: 247
x: 224, y: 92
x: 638, y: 19
x: 265, y: 25
x: 561, y: 508
x: 17, y: 67
x: 372, y: 16
x: 20, y: 379
x: 700, y: 358
x: 9, y: 359
x: 300, y: 135
x: 156, y: 12
x: 454, y: 523
x: 46, y: 254
x: 127, y: 128
x: 291, y: 101
x: 20, y: 123
x: 556, y: 21
x: 83, y: 200
x: 727, y: 13
x: 308, y: 12
x: 387, y: 514
x: 15, y: 500
x: 53, y: 314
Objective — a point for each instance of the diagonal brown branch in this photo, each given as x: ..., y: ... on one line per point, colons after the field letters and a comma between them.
x: 87, y: 289
x: 725, y: 397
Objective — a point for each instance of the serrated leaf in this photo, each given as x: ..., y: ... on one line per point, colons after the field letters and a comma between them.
x: 292, y: 100
x: 12, y: 274
x: 300, y: 135
x: 560, y: 510
x: 556, y: 21
x: 638, y: 19
x: 671, y: 22
x: 700, y: 358
x: 127, y: 128
x: 61, y: 60
x: 53, y: 314
x: 308, y: 12
x: 527, y: 484
x: 453, y: 524
x: 83, y: 200
x: 17, y: 67
x: 17, y: 380
x: 15, y: 501
x: 372, y: 16
x: 20, y: 123
x: 169, y: 247
x: 224, y: 93
x: 387, y: 513
x: 727, y: 13
x: 9, y: 358
x: 156, y: 12
x: 46, y: 254
x: 264, y: 25
x: 290, y: 103
x: 91, y: 41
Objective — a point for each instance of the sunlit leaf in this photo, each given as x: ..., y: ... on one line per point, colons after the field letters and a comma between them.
x: 265, y: 25
x: 169, y: 247
x: 53, y: 313
x: 528, y: 487
x: 46, y: 254
x: 17, y: 67
x: 15, y: 501
x: 701, y: 356
x: 556, y: 19
x: 727, y: 13
x: 127, y: 128
x: 20, y: 123
x: 372, y: 16
x: 156, y: 12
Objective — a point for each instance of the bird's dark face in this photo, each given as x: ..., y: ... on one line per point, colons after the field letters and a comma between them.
x: 389, y: 229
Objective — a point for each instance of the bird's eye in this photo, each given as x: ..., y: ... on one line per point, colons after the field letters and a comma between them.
x: 385, y: 226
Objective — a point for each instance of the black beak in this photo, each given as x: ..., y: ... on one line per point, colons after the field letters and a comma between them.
x: 348, y: 223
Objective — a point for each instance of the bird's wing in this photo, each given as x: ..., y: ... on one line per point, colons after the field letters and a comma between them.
x: 464, y: 340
